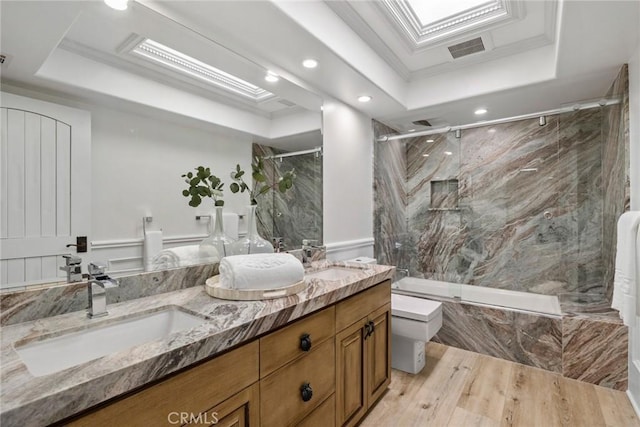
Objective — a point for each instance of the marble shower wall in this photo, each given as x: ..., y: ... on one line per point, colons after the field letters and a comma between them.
x: 615, y: 170
x: 390, y: 201
x: 515, y: 206
x: 297, y: 214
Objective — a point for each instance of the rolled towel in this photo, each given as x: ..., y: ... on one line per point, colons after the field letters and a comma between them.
x: 152, y: 247
x: 184, y: 256
x: 260, y: 271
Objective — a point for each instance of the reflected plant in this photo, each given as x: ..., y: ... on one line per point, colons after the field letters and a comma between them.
x: 203, y: 184
x: 261, y: 184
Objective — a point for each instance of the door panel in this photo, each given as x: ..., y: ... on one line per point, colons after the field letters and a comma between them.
x: 350, y: 361
x: 45, y: 191
x: 379, y: 354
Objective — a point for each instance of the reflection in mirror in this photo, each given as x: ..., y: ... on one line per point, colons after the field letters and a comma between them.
x: 296, y: 215
x: 143, y: 124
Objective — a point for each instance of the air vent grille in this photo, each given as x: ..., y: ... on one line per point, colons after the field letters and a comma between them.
x: 285, y: 102
x: 467, y: 48
x: 422, y: 123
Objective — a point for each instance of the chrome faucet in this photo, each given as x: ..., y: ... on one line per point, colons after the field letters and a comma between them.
x: 73, y: 268
x: 97, y: 285
x: 307, y: 250
x: 278, y: 244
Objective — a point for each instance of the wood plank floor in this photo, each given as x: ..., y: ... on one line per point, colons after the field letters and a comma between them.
x: 460, y: 388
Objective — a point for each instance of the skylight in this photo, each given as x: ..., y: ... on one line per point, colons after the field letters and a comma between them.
x: 432, y: 11
x: 424, y: 22
x: 192, y: 67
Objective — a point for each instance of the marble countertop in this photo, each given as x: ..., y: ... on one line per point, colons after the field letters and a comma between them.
x: 34, y: 401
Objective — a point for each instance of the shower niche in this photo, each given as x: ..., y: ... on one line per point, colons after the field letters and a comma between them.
x: 444, y: 195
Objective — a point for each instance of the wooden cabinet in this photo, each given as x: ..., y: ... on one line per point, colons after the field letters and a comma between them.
x: 241, y: 410
x: 325, y: 369
x: 183, y: 396
x: 363, y: 352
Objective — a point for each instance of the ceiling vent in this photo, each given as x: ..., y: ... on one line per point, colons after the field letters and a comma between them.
x: 422, y: 123
x: 287, y: 103
x: 467, y: 48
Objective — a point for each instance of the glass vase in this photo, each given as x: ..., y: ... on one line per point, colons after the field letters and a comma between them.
x: 217, y: 244
x: 252, y: 243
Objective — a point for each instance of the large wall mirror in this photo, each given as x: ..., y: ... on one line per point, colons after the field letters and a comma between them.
x: 98, y: 126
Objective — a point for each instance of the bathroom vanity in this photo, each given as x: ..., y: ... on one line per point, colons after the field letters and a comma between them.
x: 321, y: 357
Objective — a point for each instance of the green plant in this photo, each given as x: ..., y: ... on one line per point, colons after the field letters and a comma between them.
x: 203, y: 184
x: 261, y: 184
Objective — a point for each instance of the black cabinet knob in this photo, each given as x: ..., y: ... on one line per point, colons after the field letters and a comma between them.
x: 306, y: 392
x: 305, y: 342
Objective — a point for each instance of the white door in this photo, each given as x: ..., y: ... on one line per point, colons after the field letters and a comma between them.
x: 45, y: 183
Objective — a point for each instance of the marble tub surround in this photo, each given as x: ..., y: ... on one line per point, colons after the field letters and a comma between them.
x: 595, y: 350
x: 28, y: 400
x: 297, y: 214
x: 587, y: 347
x: 530, y: 339
x: 47, y: 301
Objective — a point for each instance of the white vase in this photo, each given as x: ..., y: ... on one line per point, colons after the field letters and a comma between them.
x: 252, y: 243
x: 217, y: 244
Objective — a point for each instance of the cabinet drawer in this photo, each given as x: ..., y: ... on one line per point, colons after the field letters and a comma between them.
x: 192, y: 391
x: 281, y: 402
x: 323, y: 416
x: 360, y: 305
x: 280, y: 347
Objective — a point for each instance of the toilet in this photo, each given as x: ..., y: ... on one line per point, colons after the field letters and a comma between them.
x: 414, y: 321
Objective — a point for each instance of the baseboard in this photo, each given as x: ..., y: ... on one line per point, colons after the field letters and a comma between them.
x: 634, y: 404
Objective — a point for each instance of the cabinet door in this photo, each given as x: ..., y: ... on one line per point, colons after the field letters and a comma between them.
x: 241, y: 410
x: 351, y: 401
x: 378, y: 351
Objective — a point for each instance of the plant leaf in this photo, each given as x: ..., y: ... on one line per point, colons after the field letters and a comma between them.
x: 234, y: 187
x: 186, y: 193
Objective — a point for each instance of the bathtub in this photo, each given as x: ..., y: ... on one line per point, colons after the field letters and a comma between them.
x: 480, y: 295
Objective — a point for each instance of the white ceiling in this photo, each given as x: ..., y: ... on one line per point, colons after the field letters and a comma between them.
x: 539, y: 55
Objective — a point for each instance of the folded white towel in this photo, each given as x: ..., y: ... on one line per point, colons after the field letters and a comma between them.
x: 624, y: 281
x: 260, y: 271
x: 184, y: 256
x: 152, y: 247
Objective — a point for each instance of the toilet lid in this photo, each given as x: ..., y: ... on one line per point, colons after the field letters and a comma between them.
x: 414, y: 308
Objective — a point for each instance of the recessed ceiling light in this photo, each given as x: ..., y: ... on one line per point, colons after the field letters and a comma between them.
x: 271, y: 77
x: 117, y: 4
x: 429, y: 140
x: 425, y: 155
x: 480, y: 111
x: 309, y: 63
x: 448, y: 153
x: 411, y: 130
x: 364, y: 98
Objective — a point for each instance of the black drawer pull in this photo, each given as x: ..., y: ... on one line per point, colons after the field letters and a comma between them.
x: 306, y: 392
x: 305, y: 342
x: 369, y: 328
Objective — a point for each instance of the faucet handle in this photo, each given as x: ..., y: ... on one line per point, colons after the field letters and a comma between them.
x: 96, y: 268
x: 72, y: 260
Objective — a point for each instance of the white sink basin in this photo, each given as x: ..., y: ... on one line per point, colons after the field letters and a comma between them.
x: 54, y: 354
x: 333, y: 273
